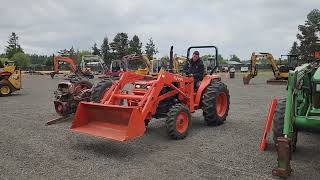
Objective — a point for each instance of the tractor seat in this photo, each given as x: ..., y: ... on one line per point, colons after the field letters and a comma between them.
x: 5, y: 74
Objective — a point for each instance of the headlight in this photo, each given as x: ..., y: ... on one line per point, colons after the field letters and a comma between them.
x: 148, y: 87
x: 137, y: 86
x: 318, y: 87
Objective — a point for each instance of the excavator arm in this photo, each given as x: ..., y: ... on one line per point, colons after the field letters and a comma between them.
x: 178, y: 62
x: 273, y: 63
x: 253, y: 70
x: 57, y: 59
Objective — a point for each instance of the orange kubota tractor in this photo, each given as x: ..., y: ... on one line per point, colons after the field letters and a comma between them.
x: 121, y: 113
x: 74, y: 69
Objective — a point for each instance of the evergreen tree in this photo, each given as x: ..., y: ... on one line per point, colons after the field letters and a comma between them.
x: 105, y: 51
x: 96, y: 50
x: 13, y: 46
x: 119, y: 45
x: 308, y: 35
x: 135, y: 45
x: 294, y: 49
x: 151, y: 49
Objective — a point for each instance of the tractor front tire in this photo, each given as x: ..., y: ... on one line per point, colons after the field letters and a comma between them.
x: 178, y: 121
x: 99, y: 90
x: 278, y: 124
x: 278, y: 120
x: 5, y: 89
x: 215, y: 103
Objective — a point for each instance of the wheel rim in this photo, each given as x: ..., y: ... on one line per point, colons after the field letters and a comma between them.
x: 221, y: 104
x: 60, y: 108
x: 5, y: 90
x: 182, y: 122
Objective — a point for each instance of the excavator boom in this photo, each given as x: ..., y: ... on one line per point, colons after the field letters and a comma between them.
x: 57, y: 59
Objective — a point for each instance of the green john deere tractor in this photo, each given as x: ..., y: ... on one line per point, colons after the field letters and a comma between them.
x: 300, y: 110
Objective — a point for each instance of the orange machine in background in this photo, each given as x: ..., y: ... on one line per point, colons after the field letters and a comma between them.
x: 74, y: 69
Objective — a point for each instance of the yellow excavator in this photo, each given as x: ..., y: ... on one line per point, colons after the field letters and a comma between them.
x: 140, y: 64
x: 10, y: 78
x: 280, y: 72
x: 178, y: 62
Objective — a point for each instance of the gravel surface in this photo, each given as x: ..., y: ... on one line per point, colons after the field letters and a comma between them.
x: 31, y: 150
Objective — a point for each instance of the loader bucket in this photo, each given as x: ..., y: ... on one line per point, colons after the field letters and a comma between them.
x: 114, y: 122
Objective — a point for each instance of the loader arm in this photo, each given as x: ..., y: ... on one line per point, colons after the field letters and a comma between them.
x: 126, y: 121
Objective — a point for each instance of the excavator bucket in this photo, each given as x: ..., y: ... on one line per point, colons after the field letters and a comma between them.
x: 114, y: 122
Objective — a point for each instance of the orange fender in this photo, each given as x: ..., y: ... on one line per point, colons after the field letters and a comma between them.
x: 204, y: 83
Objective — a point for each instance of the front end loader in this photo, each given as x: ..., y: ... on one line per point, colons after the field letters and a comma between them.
x: 121, y: 110
x: 10, y: 78
x: 300, y: 110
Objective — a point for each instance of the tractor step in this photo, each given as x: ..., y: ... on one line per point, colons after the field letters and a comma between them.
x: 277, y: 81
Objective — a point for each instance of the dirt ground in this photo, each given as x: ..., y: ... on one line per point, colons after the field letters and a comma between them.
x: 31, y: 150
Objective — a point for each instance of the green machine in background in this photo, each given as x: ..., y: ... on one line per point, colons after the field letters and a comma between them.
x: 300, y: 110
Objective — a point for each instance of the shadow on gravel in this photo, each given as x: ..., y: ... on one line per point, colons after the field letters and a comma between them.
x: 15, y: 95
x: 139, y: 147
x: 111, y: 149
x: 157, y: 129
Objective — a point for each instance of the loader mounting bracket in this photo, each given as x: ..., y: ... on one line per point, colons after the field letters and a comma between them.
x: 284, y: 157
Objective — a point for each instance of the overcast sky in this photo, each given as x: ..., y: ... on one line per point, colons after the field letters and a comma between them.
x: 236, y: 27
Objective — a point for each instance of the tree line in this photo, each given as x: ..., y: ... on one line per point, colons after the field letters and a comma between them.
x: 121, y: 46
x: 115, y: 50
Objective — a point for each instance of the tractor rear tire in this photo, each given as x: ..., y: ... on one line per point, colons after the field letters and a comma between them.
x: 215, y: 103
x: 99, y: 90
x: 278, y: 124
x: 83, y: 84
x: 178, y: 121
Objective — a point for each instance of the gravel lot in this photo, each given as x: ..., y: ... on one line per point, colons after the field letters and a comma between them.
x: 31, y: 150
